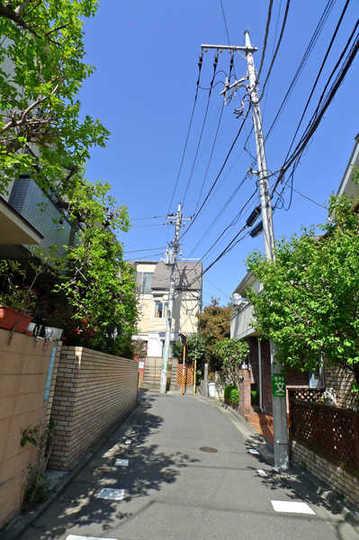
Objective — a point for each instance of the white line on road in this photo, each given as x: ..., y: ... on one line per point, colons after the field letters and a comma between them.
x: 111, y: 494
x: 76, y: 537
x: 293, y: 507
x: 121, y: 463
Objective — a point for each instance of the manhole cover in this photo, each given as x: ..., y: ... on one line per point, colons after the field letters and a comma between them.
x: 208, y: 449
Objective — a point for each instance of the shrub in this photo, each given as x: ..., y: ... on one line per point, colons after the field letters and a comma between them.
x: 231, y: 395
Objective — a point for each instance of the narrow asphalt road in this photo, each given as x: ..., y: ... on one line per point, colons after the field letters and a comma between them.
x: 189, y: 476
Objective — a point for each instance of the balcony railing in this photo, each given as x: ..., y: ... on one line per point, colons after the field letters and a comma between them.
x: 36, y: 207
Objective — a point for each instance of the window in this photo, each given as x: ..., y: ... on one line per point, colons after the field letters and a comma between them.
x: 159, y: 311
x: 144, y: 282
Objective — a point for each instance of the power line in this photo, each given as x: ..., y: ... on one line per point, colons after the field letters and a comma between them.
x: 219, y: 123
x: 265, y: 40
x: 220, y: 213
x: 275, y: 54
x: 303, y: 61
x: 225, y: 22
x: 189, y: 128
x: 215, y: 65
x: 320, y: 110
x: 216, y: 179
x: 336, y: 30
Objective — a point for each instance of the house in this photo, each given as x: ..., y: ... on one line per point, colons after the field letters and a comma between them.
x: 15, y: 229
x: 153, y: 282
x: 27, y: 200
x: 242, y: 327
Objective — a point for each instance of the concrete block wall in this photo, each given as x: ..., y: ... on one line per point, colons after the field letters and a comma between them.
x: 24, y: 364
x: 337, y: 478
x: 341, y: 381
x: 93, y: 391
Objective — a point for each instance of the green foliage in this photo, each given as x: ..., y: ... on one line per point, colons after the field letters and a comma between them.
x: 44, y: 133
x: 214, y: 324
x: 17, y: 283
x: 97, y: 283
x: 42, y: 69
x: 231, y: 395
x: 233, y: 353
x: 36, y: 488
x: 309, y: 305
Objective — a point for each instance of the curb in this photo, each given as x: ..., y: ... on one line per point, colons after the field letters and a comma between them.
x: 348, y: 512
x: 20, y: 523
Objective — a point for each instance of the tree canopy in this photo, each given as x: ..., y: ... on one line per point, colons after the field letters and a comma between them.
x: 42, y: 130
x: 309, y: 305
x: 90, y: 289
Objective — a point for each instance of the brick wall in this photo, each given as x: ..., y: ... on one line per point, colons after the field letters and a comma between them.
x: 341, y: 380
x: 337, y: 478
x: 93, y: 391
x: 24, y: 372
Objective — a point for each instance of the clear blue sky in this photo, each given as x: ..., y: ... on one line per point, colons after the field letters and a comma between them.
x: 145, y: 55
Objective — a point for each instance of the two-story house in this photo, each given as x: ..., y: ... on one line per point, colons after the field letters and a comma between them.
x: 153, y: 282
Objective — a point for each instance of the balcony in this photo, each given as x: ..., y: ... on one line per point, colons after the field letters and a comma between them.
x: 242, y: 322
x: 38, y: 209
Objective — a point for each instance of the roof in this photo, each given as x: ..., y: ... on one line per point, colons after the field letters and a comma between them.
x: 188, y: 276
x: 248, y: 280
x: 347, y: 185
x: 14, y: 228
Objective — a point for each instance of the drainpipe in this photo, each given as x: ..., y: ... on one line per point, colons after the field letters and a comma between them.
x: 260, y: 374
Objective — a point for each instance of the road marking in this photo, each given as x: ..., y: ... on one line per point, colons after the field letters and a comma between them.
x: 262, y: 473
x: 76, y: 537
x: 111, y: 494
x: 293, y: 507
x: 121, y: 463
x: 253, y: 451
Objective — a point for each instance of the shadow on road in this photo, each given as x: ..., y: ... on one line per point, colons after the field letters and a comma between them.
x: 148, y: 470
x: 298, y: 483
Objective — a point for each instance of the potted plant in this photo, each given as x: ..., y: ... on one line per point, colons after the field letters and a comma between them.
x: 17, y: 298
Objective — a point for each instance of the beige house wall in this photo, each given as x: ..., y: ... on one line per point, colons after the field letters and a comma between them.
x: 186, y: 309
x: 24, y: 364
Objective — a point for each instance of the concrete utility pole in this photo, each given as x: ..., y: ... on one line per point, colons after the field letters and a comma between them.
x: 281, y: 455
x: 172, y: 252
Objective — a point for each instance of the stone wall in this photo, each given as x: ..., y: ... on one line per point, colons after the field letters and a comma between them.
x: 337, y: 478
x: 27, y: 377
x: 93, y: 391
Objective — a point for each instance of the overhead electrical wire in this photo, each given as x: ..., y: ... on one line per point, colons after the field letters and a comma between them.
x: 265, y: 40
x: 204, y: 121
x: 275, y: 54
x: 219, y: 123
x: 323, y: 63
x: 308, y: 51
x: 323, y: 104
x: 220, y: 213
x: 218, y: 176
x: 189, y: 128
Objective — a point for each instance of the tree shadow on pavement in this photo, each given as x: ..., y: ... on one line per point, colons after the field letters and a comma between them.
x: 298, y: 483
x: 149, y: 469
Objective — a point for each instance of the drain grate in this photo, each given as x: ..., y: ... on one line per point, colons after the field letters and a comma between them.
x: 208, y: 449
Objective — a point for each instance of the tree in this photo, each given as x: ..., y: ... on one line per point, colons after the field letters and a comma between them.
x: 214, y: 324
x: 233, y: 353
x: 97, y: 284
x: 309, y: 305
x: 90, y: 290
x: 42, y: 132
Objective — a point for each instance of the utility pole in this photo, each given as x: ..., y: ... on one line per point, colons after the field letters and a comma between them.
x: 172, y: 252
x: 281, y: 455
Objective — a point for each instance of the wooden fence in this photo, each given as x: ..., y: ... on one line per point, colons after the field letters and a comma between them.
x: 328, y: 431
